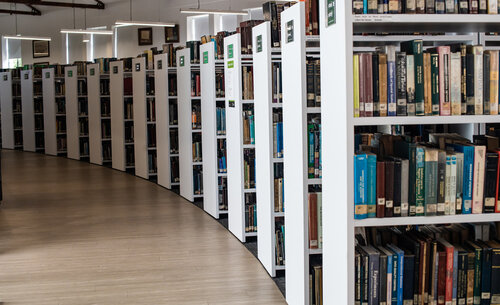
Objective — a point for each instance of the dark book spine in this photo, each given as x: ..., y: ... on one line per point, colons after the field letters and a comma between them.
x: 483, y: 6
x: 317, y: 84
x: 441, y: 289
x: 415, y: 47
x: 397, y: 188
x: 490, y: 182
x: 357, y: 277
x: 373, y: 280
x: 383, y: 279
x: 440, y: 7
x: 441, y: 183
x: 463, y: 65
x: 310, y: 83
x: 435, y: 83
x: 463, y: 7
x: 408, y: 277
x: 486, y: 277
x: 380, y: 189
x: 469, y: 82
x: 430, y: 6
x: 389, y: 188
x: 401, y: 83
x: 376, y: 84
x: 473, y: 6
x: 486, y: 83
x: 462, y: 278
x: 357, y: 6
x: 495, y: 276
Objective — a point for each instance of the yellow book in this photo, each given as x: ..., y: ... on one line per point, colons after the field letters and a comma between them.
x: 356, y: 84
x: 494, y: 62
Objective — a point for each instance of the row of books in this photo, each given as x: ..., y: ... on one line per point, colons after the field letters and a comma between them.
x: 16, y: 89
x: 172, y: 84
x: 174, y: 170
x: 129, y: 132
x: 445, y: 176
x: 59, y: 88
x: 218, y: 41
x: 83, y: 107
x: 128, y: 106
x: 278, y: 134
x: 152, y: 162
x: 106, y: 129
x: 247, y: 82
x: 197, y: 155
x: 198, y: 180
x: 446, y: 80
x: 129, y: 156
x: 60, y: 125
x: 250, y: 212
x: 194, y: 47
x: 106, y: 151
x: 313, y: 77
x: 104, y: 64
x: 151, y: 110
x: 150, y: 85
x: 83, y: 124
x: 222, y: 187
x: 315, y: 220
x: 172, y: 112
x: 105, y: 107
x: 127, y: 86
x: 39, y: 141
x: 279, y: 242
x: 84, y: 147
x: 171, y: 51
x: 219, y: 84
x: 277, y: 82
x: 248, y: 126
x: 60, y: 105
x: 17, y: 121
x: 37, y: 89
x: 314, y: 148
x: 18, y: 138
x: 316, y: 281
x: 196, y: 116
x: 38, y: 105
x: 195, y: 84
x: 428, y: 265
x: 221, y: 120
x: 221, y: 156
x: 61, y: 144
x: 104, y: 86
x: 174, y: 141
x: 245, y: 30
x: 38, y: 122
x: 151, y: 132
x: 81, y: 87
x: 425, y: 7
x: 272, y: 12
x: 249, y: 168
x: 81, y: 67
x: 279, y: 188
x: 16, y: 105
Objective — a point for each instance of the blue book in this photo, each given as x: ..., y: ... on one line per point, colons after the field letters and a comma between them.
x: 397, y: 294
x: 391, y: 257
x: 408, y: 277
x: 373, y: 271
x: 279, y: 139
x: 372, y: 186
x: 252, y: 129
x: 468, y: 152
x: 360, y: 186
x: 365, y: 6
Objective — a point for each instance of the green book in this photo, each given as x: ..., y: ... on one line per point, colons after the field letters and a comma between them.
x: 435, y: 83
x: 415, y: 47
x: 477, y: 270
x: 419, y: 181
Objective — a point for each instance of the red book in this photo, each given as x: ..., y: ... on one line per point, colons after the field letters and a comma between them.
x: 381, y: 189
x: 313, y: 221
x: 448, y: 248
x: 441, y: 292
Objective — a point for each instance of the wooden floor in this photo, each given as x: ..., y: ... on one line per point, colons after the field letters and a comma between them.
x: 74, y: 233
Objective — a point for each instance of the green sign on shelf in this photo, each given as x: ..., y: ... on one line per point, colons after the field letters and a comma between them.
x: 92, y: 71
x: 230, y: 64
x: 70, y: 73
x: 289, y: 31
x: 330, y: 12
x: 259, y: 43
x: 205, y: 57
x: 181, y: 61
x: 230, y: 53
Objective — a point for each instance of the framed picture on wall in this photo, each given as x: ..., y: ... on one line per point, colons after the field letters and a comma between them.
x: 41, y: 48
x: 145, y: 36
x: 172, y: 34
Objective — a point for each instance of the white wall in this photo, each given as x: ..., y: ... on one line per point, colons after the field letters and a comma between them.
x: 54, y: 18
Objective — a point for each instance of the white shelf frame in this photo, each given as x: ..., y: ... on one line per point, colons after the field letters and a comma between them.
x: 117, y: 100
x: 162, y: 120
x: 234, y: 138
x: 49, y: 111
x: 28, y: 110
x: 263, y: 94
x: 184, y: 104
x: 94, y: 111
x: 72, y: 115
x: 209, y: 127
x: 7, y: 112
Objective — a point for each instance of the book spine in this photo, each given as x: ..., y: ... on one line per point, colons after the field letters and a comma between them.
x: 380, y: 189
x: 374, y: 279
x: 477, y: 276
x: 444, y: 80
x: 376, y: 85
x: 478, y: 180
x: 419, y: 75
x: 463, y: 7
x: 435, y: 83
x: 360, y: 186
x: 391, y: 87
x: 397, y: 188
x: 497, y: 196
x: 404, y: 188
x: 401, y: 83
x: 389, y: 189
x: 478, y: 80
x: 383, y: 84
x: 495, y: 276
x: 471, y: 266
x: 467, y: 179
x: 486, y: 277
x: 441, y: 290
x: 427, y: 84
x: 449, y: 275
x: 357, y: 111
x: 441, y: 179
x: 490, y: 182
x: 420, y: 182
x: 372, y: 186
x: 469, y: 82
x: 462, y: 278
x: 410, y: 85
x: 493, y: 81
x: 455, y: 77
x: 431, y: 182
x: 368, y: 84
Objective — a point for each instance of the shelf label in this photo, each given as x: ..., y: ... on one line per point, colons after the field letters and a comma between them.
x: 230, y: 64
x: 70, y: 73
x: 26, y: 76
x: 5, y: 78
x: 92, y: 71
x: 289, y: 31
x: 159, y: 64
x: 231, y: 103
x: 181, y: 59
x: 47, y: 74
x: 115, y: 70
x: 205, y: 57
x: 330, y: 12
x: 230, y: 53
x: 259, y: 43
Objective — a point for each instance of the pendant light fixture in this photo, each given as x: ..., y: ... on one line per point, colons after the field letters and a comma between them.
x: 84, y: 31
x: 198, y: 10
x: 130, y: 22
x: 21, y: 37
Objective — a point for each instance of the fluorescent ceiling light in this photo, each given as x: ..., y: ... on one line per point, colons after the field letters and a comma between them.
x: 144, y: 23
x: 94, y: 32
x: 215, y: 12
x: 19, y: 37
x: 86, y: 40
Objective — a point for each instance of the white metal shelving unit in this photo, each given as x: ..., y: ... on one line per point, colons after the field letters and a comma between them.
x: 266, y: 215
x: 186, y: 131
x: 49, y: 111
x: 337, y: 46
x: 141, y: 149
x: 210, y: 138
x: 38, y: 112
x: 94, y: 112
x: 28, y: 114
x: 173, y: 129
x: 7, y: 111
x: 162, y: 120
x: 234, y: 137
x: 72, y: 115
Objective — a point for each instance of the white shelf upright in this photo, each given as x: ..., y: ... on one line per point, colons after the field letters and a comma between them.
x: 49, y: 111
x: 162, y: 120
x: 38, y: 111
x: 234, y: 137
x: 187, y: 164
x: 72, y: 115
x: 264, y: 135
x: 28, y: 114
x: 210, y: 138
x: 94, y: 110
x: 7, y: 111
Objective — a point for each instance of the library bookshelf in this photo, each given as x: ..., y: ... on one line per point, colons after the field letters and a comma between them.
x: 268, y: 165
x: 162, y: 71
x: 54, y: 112
x: 99, y: 115
x: 144, y: 121
x: 338, y: 43
x: 73, y: 115
x: 28, y: 111
x: 190, y: 164
x: 12, y: 129
x: 173, y: 129
x: 122, y: 131
x: 37, y: 85
x: 213, y: 137
x: 240, y: 196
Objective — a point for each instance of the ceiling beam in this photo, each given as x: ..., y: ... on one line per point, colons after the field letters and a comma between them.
x: 99, y: 4
x: 18, y: 12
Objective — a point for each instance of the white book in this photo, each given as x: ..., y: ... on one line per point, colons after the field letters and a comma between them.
x: 453, y: 184
x: 410, y: 85
x: 455, y: 77
x: 460, y: 181
x: 447, y: 191
x: 478, y: 179
x: 493, y: 7
x: 478, y: 79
